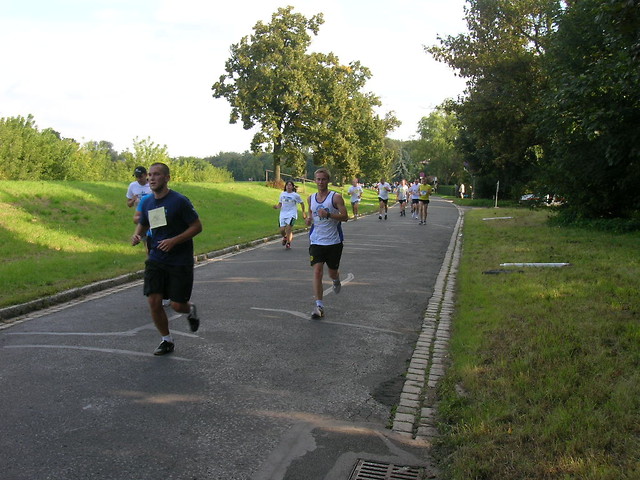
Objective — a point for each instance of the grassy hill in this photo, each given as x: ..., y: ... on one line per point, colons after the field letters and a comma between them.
x: 60, y: 235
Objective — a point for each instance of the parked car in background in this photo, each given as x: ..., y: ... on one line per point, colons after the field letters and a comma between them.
x: 535, y: 199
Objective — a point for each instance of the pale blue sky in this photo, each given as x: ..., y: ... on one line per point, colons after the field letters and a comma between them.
x: 119, y: 69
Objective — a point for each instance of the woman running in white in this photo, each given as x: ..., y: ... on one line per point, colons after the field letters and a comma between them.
x: 288, y: 205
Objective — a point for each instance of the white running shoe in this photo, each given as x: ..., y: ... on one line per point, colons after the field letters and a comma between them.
x: 318, y: 312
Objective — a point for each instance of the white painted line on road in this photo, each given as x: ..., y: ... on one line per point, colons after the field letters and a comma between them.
x: 128, y: 333
x: 94, y: 349
x: 290, y: 312
x: 306, y: 316
x: 76, y: 334
x: 365, y: 327
x: 344, y: 282
x: 379, y: 246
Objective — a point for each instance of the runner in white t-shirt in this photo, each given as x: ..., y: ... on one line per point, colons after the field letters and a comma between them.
x: 383, y: 197
x: 414, y: 190
x: 288, y: 205
x: 138, y: 188
x: 402, y: 193
x: 355, y: 191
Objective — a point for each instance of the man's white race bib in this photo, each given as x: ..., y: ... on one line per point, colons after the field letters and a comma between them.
x: 157, y: 218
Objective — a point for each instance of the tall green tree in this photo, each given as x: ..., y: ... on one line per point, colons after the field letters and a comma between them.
x: 269, y: 83
x: 438, y: 146
x: 333, y: 136
x: 401, y: 160
x: 376, y: 150
x: 303, y: 103
x: 592, y: 108
x: 500, y: 57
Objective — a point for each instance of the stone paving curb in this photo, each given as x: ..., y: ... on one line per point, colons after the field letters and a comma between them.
x: 415, y: 415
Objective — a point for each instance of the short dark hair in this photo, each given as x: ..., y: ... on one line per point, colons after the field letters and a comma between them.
x: 164, y: 166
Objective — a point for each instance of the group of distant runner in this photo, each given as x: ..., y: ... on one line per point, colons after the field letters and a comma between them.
x: 418, y: 193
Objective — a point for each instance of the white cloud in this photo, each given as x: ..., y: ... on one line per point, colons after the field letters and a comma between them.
x: 116, y: 70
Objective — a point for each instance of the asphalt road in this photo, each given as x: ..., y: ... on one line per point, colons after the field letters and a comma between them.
x: 261, y: 391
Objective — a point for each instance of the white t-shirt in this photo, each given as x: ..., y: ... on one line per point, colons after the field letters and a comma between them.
x: 415, y: 191
x: 383, y: 193
x: 289, y: 203
x: 137, y: 190
x: 355, y: 191
x: 402, y: 192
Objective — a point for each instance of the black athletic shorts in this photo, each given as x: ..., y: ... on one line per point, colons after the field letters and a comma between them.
x: 329, y: 254
x: 174, y: 282
x: 384, y: 200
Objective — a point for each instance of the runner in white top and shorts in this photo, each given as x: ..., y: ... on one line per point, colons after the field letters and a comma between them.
x: 414, y: 189
x: 355, y: 191
x: 288, y: 205
x: 401, y: 195
x: 383, y: 198
x: 326, y: 212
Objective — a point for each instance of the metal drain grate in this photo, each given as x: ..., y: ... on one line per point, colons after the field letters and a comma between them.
x: 368, y: 470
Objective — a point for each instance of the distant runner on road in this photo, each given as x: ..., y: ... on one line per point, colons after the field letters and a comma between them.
x: 383, y: 198
x: 355, y: 191
x: 424, y: 193
x: 288, y: 205
x: 401, y: 196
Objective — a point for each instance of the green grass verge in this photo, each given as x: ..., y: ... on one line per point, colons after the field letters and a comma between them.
x: 545, y: 382
x: 60, y: 235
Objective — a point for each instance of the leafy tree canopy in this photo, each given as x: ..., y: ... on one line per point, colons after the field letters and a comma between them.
x: 302, y: 102
x: 500, y: 57
x: 592, y: 108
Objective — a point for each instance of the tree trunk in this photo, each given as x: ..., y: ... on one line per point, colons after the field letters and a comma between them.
x: 276, y: 169
x: 277, y: 148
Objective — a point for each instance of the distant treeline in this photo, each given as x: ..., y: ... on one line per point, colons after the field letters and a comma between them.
x: 249, y: 166
x: 27, y: 153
